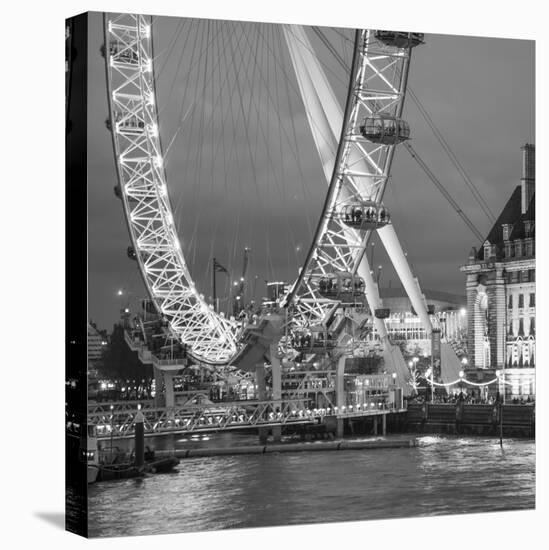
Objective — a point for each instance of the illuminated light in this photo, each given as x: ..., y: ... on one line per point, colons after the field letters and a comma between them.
x: 461, y: 374
x: 153, y: 129
x: 498, y: 373
x: 147, y: 31
x: 150, y: 99
x: 147, y: 66
x: 158, y: 161
x: 463, y: 311
x: 110, y: 26
x: 169, y: 218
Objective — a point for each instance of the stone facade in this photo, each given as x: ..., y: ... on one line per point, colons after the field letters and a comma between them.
x: 501, y: 290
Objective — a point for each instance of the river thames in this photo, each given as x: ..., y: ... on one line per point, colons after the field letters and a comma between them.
x: 450, y: 475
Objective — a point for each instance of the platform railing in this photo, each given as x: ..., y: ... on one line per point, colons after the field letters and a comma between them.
x: 118, y: 421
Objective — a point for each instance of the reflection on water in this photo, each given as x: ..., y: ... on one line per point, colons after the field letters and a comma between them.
x: 441, y: 476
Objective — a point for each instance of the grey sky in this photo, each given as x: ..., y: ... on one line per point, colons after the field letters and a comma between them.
x: 479, y: 92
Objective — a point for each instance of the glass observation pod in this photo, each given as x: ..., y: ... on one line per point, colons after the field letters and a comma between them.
x: 343, y: 287
x: 382, y: 313
x: 130, y: 251
x: 365, y: 215
x: 385, y: 129
x: 120, y: 53
x: 400, y: 39
x: 131, y: 125
x: 313, y: 340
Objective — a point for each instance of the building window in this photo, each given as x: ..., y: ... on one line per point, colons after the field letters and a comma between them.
x: 532, y: 299
x: 506, y: 231
x: 524, y: 276
x: 532, y: 275
x: 514, y: 276
x: 528, y: 228
x: 521, y: 327
x: 518, y: 248
x: 521, y: 301
x: 510, y: 305
x: 532, y: 326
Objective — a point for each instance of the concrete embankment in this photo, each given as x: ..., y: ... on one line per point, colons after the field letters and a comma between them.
x: 344, y: 445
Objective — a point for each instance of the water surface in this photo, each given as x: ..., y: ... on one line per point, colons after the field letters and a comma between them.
x: 441, y: 476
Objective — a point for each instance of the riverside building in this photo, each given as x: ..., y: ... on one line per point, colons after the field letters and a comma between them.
x: 501, y: 293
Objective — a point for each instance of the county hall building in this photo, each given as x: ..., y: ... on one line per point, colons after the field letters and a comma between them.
x: 501, y: 293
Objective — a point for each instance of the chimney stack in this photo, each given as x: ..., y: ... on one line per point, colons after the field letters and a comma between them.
x: 528, y: 179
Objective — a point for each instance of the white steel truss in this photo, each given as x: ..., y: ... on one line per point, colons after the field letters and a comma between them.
x: 139, y: 160
x: 360, y: 172
x: 377, y: 86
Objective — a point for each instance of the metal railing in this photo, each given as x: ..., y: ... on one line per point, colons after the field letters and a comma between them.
x: 118, y: 421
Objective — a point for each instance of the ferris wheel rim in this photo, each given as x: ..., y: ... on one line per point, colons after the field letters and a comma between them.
x: 229, y: 328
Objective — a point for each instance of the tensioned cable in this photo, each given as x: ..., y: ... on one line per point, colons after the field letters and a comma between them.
x: 459, y: 167
x: 443, y: 190
x: 201, y: 120
x: 456, y: 163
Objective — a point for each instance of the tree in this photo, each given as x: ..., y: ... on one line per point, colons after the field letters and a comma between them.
x: 413, y: 379
x: 119, y: 361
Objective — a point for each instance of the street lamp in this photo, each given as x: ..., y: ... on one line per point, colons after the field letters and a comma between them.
x: 112, y: 428
x: 394, y: 375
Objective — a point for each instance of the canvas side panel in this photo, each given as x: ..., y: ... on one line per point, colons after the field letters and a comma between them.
x: 76, y: 275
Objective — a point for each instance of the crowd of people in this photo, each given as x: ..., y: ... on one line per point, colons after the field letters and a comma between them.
x: 468, y: 398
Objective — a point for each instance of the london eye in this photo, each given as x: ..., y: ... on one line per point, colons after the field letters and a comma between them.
x: 355, y: 144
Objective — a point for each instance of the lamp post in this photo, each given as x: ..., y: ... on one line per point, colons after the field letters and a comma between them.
x: 394, y: 375
x: 112, y: 428
x: 500, y: 409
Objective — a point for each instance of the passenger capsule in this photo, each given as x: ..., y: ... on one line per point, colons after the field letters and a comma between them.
x: 130, y: 251
x: 316, y: 339
x: 382, y: 313
x: 121, y: 53
x: 128, y: 124
x: 365, y: 215
x: 385, y: 129
x: 343, y: 287
x: 400, y: 39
